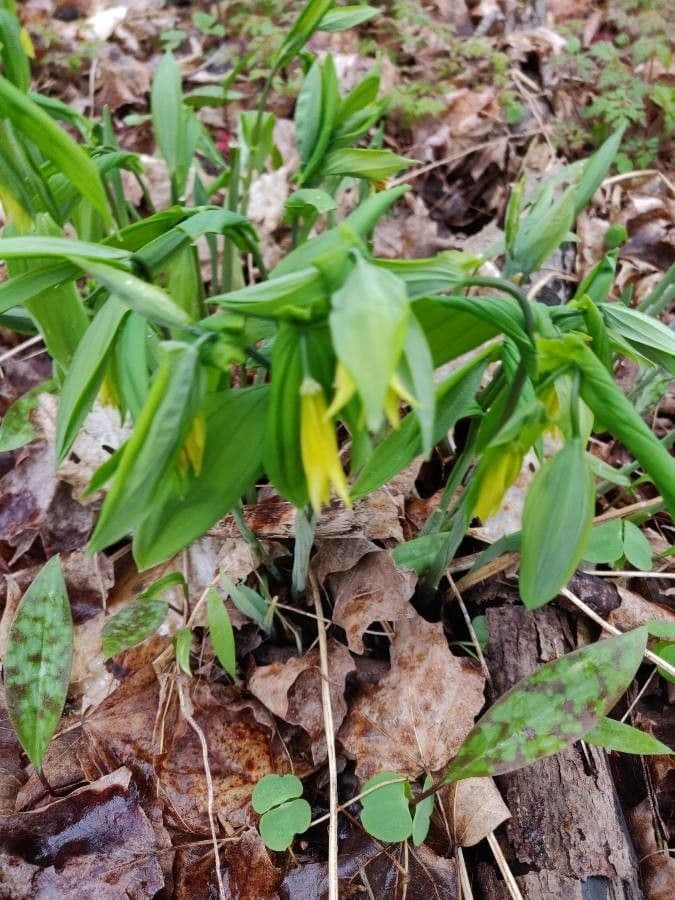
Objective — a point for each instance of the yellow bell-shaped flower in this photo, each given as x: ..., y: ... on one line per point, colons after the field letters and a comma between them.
x: 501, y: 466
x: 345, y: 388
x: 318, y: 448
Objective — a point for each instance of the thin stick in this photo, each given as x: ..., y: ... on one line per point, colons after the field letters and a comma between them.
x: 645, y: 173
x: 607, y: 626
x: 9, y: 354
x: 186, y: 709
x: 628, y: 510
x: 500, y: 859
x: 474, y: 637
x: 464, y: 883
x: 621, y: 573
x: 329, y: 728
x: 639, y: 694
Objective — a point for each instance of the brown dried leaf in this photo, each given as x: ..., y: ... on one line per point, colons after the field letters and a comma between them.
x: 373, y: 591
x: 635, y: 611
x: 12, y: 775
x: 474, y: 808
x: 417, y: 716
x: 55, y: 851
x: 292, y: 691
x: 339, y: 555
x: 247, y: 871
x: 239, y: 734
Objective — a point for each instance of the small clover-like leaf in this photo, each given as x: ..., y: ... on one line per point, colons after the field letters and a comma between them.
x: 132, y: 625
x: 386, y: 813
x: 636, y: 547
x: 272, y: 790
x: 422, y: 815
x: 38, y: 660
x: 279, y: 826
x: 661, y: 629
x: 666, y: 650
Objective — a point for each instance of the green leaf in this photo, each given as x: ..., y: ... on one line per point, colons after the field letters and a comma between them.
x: 557, y: 522
x: 376, y: 165
x: 221, y: 632
x: 550, y: 709
x: 636, y: 547
x: 453, y: 398
x: 422, y: 815
x: 34, y: 124
x: 12, y: 51
x: 386, y: 813
x: 306, y: 202
x: 542, y: 231
x: 323, y: 100
x: 147, y: 299
x: 86, y: 373
x: 649, y: 336
x: 301, y: 31
x: 623, y: 738
x: 16, y: 429
x: 308, y: 113
x: 273, y: 790
x: 605, y: 544
x: 368, y: 325
x: 151, y: 452
x: 603, y: 470
x: 666, y: 650
x: 39, y: 247
x: 182, y: 640
x: 279, y: 826
x: 418, y: 370
x: 133, y: 624
x: 428, y: 276
x: 347, y: 17
x: 167, y: 110
x: 248, y: 602
x: 661, y: 629
x: 419, y: 553
x: 234, y: 420
x: 37, y: 661
x: 595, y: 170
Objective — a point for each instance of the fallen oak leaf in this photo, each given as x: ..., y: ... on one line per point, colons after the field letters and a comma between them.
x: 419, y: 713
x: 292, y: 691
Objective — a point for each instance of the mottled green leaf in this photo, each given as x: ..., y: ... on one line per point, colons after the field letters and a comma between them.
x: 557, y: 522
x: 273, y: 790
x: 38, y: 659
x: 132, y: 625
x: 619, y: 736
x: 386, y: 813
x: 550, y: 709
x: 222, y: 635
x: 279, y: 826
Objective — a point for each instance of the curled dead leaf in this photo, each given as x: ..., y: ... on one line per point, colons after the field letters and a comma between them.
x: 474, y: 808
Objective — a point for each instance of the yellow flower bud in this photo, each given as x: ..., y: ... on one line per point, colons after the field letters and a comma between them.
x: 345, y: 388
x: 318, y: 448
x: 501, y: 466
x: 192, y: 451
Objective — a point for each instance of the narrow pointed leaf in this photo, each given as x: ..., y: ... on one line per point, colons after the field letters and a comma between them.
x: 38, y: 660
x: 221, y: 632
x: 132, y: 625
x: 619, y: 736
x: 557, y: 523
x: 550, y: 709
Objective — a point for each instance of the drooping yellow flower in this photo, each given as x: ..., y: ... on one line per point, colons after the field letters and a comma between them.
x: 108, y: 394
x: 192, y: 451
x: 345, y: 388
x: 501, y: 466
x: 318, y: 448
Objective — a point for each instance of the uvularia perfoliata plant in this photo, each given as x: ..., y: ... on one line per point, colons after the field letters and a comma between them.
x: 325, y: 377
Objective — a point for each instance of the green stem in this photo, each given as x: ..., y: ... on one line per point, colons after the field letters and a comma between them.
x: 253, y: 541
x: 506, y: 287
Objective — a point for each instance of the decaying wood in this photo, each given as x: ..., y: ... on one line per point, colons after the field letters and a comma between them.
x: 567, y: 837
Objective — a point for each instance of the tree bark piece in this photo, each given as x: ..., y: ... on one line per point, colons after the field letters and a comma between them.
x: 567, y: 837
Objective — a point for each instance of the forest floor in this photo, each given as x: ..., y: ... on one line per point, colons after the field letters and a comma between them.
x: 480, y: 92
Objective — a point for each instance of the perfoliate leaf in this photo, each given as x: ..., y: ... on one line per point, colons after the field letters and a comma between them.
x: 279, y: 826
x: 550, y: 709
x: 273, y: 790
x: 38, y: 659
x: 368, y: 325
x: 222, y: 635
x: 386, y: 814
x: 132, y: 625
x: 557, y: 522
x: 613, y: 735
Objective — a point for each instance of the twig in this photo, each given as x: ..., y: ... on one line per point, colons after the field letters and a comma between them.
x: 9, y: 354
x: 464, y: 883
x: 186, y: 709
x: 500, y: 859
x: 628, y: 510
x: 607, y: 626
x: 329, y: 728
x: 644, y: 173
x: 474, y: 637
x: 625, y: 573
x: 639, y: 694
